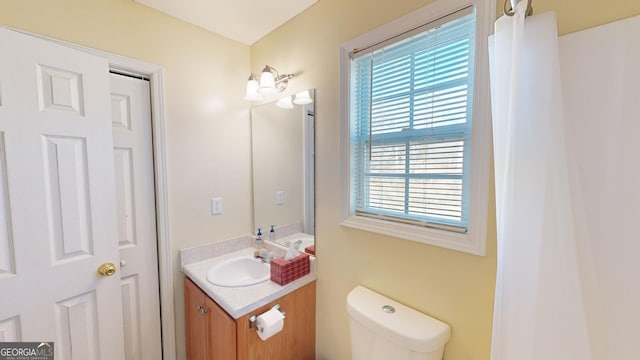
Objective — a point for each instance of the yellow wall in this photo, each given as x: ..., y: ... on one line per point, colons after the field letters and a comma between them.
x: 205, y: 76
x: 454, y: 287
x: 575, y: 15
x: 204, y: 85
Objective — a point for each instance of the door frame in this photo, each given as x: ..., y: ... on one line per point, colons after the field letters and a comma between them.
x: 154, y: 73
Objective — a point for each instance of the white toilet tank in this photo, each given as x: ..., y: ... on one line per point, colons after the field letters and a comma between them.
x: 383, y: 329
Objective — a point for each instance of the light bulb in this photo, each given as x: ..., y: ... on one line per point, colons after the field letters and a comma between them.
x: 267, y: 82
x: 252, y: 90
x: 303, y: 98
x: 285, y: 103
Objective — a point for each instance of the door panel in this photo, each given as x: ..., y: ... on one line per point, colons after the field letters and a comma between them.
x: 120, y: 110
x: 131, y: 315
x: 59, y: 90
x: 222, y: 332
x: 10, y: 329
x: 7, y: 260
x: 77, y: 320
x: 59, y: 206
x: 67, y: 186
x: 135, y: 199
x: 124, y: 192
x: 196, y: 322
x: 296, y: 341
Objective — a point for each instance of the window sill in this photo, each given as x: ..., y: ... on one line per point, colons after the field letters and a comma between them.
x: 442, y: 238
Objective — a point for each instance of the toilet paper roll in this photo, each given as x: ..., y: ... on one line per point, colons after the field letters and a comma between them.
x: 269, y: 323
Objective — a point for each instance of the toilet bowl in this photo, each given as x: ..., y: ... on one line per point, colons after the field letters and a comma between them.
x: 383, y: 329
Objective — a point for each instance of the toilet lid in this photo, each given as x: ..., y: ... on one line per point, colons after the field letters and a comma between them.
x: 405, y: 326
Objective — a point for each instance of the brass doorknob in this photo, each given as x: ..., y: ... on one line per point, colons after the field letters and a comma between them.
x: 107, y: 269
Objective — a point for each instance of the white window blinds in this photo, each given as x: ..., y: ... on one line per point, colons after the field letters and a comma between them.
x: 410, y: 111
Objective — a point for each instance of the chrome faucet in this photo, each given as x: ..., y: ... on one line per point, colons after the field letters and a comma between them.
x: 296, y: 244
x: 264, y: 255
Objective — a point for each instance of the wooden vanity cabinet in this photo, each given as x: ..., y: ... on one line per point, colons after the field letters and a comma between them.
x: 210, y: 331
x: 214, y: 335
x: 196, y: 321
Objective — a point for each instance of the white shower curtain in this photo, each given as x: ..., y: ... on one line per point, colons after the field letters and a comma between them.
x: 539, y: 311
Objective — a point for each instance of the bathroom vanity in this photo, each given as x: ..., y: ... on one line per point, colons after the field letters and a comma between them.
x: 214, y: 335
x: 218, y: 308
x: 218, y: 325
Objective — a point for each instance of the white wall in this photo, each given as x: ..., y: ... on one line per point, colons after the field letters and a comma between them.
x: 601, y: 89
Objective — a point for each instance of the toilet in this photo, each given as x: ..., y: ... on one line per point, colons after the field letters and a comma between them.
x: 383, y: 329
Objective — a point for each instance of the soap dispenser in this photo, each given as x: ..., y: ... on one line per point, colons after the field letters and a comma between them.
x: 259, y: 244
x: 272, y: 234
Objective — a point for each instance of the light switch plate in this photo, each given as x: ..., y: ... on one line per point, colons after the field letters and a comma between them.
x: 216, y: 206
x: 279, y: 197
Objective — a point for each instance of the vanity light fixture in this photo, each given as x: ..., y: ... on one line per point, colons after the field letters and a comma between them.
x: 252, y: 89
x: 271, y: 82
x: 285, y: 103
x: 302, y: 98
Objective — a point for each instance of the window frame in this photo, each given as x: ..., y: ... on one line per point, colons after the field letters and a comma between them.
x: 474, y: 240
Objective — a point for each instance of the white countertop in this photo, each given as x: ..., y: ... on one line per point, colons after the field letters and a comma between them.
x: 305, y: 239
x: 239, y: 301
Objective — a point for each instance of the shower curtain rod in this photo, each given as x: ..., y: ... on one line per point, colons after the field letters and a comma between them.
x: 514, y: 3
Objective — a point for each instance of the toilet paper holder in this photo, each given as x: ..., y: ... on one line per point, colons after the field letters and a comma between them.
x: 253, y: 318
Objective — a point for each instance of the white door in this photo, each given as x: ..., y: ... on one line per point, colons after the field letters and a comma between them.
x: 57, y: 210
x: 135, y: 195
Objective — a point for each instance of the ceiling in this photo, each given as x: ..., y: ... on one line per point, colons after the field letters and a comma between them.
x: 246, y: 21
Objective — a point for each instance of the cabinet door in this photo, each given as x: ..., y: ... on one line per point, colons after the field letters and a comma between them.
x: 222, y: 332
x: 297, y: 339
x: 196, y: 321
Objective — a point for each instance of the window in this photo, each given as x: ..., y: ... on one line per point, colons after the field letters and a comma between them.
x: 411, y: 129
x: 411, y: 118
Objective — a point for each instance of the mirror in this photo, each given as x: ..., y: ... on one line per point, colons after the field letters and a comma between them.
x: 283, y: 152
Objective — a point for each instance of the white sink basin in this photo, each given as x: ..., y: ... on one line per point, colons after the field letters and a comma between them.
x: 239, y: 271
